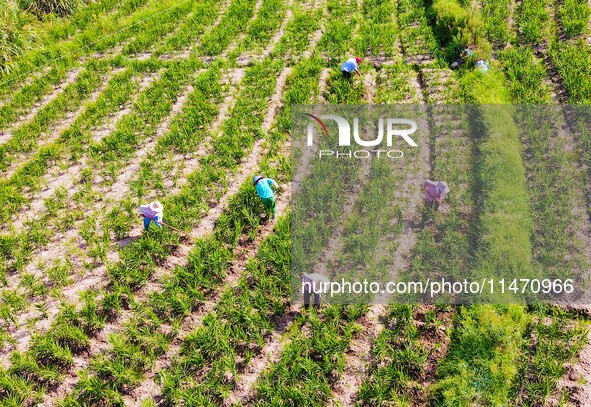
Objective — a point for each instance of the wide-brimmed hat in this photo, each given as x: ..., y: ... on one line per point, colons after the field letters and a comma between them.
x: 155, y: 206
x: 256, y: 179
x: 442, y: 188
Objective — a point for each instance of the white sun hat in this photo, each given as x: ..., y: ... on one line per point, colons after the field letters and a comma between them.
x: 156, y: 206
x: 442, y: 188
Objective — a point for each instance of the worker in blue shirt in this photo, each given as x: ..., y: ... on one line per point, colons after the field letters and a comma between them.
x: 350, y: 65
x: 264, y: 187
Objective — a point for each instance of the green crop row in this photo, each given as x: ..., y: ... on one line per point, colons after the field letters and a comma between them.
x: 315, y: 356
x: 336, y: 39
x: 397, y: 375
x: 526, y: 76
x: 207, y: 89
x: 379, y: 32
x: 56, y: 29
x: 493, y: 333
x: 18, y: 247
x: 481, y: 364
x: 234, y: 21
x: 75, y: 141
x: 187, y: 132
x: 296, y: 38
x: 496, y: 15
x: 365, y: 253
x: 26, y: 138
x: 402, y: 356
x: 312, y: 361
x: 23, y: 32
x: 394, y: 84
x: 35, y: 30
x: 341, y: 90
x: 73, y: 144
x: 573, y: 63
x: 203, y: 15
x: 26, y: 175
x: 74, y: 211
x: 441, y: 246
x: 141, y: 342
x: 416, y: 34
x: 557, y: 338
x: 557, y: 249
x: 533, y: 20
x: 104, y: 33
x: 158, y: 28
x: 574, y: 17
x: 261, y: 29
x: 22, y: 99
x: 236, y: 330
x: 554, y: 180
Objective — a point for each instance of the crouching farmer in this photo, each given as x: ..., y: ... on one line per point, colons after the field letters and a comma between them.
x: 435, y: 193
x: 313, y: 283
x: 349, y: 66
x: 264, y: 187
x: 152, y: 212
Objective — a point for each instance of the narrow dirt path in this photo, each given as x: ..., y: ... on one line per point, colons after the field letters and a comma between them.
x: 315, y: 38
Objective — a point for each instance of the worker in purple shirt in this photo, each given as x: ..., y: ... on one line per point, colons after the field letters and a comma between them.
x: 350, y: 65
x: 152, y: 212
x: 435, y: 191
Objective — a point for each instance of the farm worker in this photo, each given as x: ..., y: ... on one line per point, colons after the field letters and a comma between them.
x: 152, y: 212
x: 264, y: 187
x: 464, y: 55
x: 350, y: 65
x: 482, y: 65
x: 313, y: 283
x: 435, y: 192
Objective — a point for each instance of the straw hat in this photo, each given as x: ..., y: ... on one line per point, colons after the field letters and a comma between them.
x: 156, y: 206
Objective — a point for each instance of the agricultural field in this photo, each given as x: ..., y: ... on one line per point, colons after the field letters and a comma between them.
x: 105, y: 105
